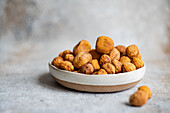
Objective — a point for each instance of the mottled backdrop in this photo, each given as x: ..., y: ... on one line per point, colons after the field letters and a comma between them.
x: 32, y: 32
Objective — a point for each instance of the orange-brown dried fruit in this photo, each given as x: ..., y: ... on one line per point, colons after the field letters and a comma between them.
x: 81, y: 58
x: 75, y: 71
x: 95, y: 64
x: 95, y: 73
x: 66, y: 52
x: 124, y: 59
x: 128, y: 67
x: 82, y: 46
x: 102, y: 72
x: 105, y: 59
x: 104, y: 44
x: 147, y: 90
x: 139, y: 56
x: 137, y: 62
x: 110, y: 69
x: 61, y: 54
x: 66, y: 65
x: 69, y: 57
x: 118, y: 65
x: 121, y: 49
x: 139, y: 98
x: 57, y: 60
x: 132, y: 51
x: 114, y: 54
x: 87, y: 69
x: 95, y: 54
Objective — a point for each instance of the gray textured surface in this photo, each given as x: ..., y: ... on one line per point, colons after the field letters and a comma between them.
x: 33, y: 32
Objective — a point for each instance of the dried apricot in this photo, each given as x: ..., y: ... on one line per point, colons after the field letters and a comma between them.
x: 132, y: 51
x: 105, y: 59
x: 147, y: 90
x: 110, y: 69
x: 66, y: 65
x: 124, y: 59
x: 95, y: 64
x: 137, y: 62
x: 139, y: 98
x: 104, y: 44
x: 128, y: 67
x: 82, y: 46
x: 81, y: 59
x: 57, y: 60
x: 114, y: 54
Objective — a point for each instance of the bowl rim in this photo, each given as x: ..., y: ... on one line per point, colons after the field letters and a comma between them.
x: 90, y: 75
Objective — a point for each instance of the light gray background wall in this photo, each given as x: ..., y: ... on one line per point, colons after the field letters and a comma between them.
x: 32, y: 32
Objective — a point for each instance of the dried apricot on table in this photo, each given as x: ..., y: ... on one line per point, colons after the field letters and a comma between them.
x: 139, y: 98
x: 147, y: 90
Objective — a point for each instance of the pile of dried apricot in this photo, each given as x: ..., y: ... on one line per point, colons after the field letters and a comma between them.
x: 104, y: 59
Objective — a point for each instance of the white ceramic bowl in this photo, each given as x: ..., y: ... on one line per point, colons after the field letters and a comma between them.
x: 97, y: 83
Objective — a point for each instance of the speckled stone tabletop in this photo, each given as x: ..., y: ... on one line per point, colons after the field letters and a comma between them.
x: 33, y: 32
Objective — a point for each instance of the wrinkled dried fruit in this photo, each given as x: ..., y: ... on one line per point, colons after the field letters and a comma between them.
x: 124, y: 59
x: 69, y: 57
x: 66, y: 65
x: 95, y: 73
x: 95, y: 54
x: 118, y: 65
x: 112, y: 60
x: 104, y: 44
x: 82, y: 46
x: 132, y: 51
x: 139, y: 98
x: 102, y: 72
x: 81, y: 59
x: 95, y: 64
x: 110, y: 69
x: 66, y: 52
x: 57, y: 60
x: 87, y: 69
x: 128, y: 67
x: 138, y: 62
x: 75, y: 71
x: 147, y: 90
x: 139, y: 56
x: 105, y: 59
x: 114, y: 54
x: 121, y: 49
x: 61, y: 54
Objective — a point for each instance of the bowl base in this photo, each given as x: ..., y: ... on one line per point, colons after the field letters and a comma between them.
x: 95, y: 88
